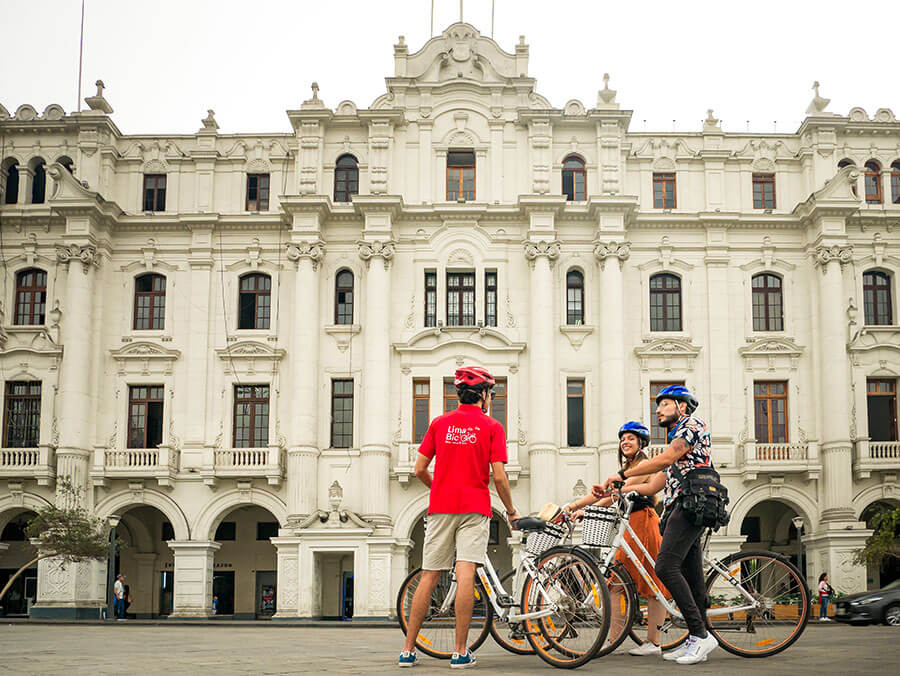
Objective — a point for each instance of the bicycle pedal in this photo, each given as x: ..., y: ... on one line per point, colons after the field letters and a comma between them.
x: 506, y: 601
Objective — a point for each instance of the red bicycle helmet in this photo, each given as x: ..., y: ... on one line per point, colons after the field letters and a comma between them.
x: 472, y: 376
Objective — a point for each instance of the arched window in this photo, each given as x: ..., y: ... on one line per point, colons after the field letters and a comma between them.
x: 574, y: 179
x: 873, y: 182
x: 343, y: 297
x: 574, y: 298
x: 12, y: 183
x: 67, y: 162
x: 665, y: 303
x: 848, y: 163
x: 150, y: 302
x: 255, y: 301
x: 460, y: 175
x: 346, y: 178
x: 39, y: 182
x: 895, y: 182
x: 877, y: 298
x: 767, y: 303
x: 31, y: 297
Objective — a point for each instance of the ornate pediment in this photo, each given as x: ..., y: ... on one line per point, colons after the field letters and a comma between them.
x: 667, y: 353
x: 875, y: 337
x: 35, y: 340
x: 145, y: 358
x: 771, y: 352
x: 462, y: 339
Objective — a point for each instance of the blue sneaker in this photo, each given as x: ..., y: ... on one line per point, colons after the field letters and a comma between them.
x: 462, y: 661
x: 408, y: 659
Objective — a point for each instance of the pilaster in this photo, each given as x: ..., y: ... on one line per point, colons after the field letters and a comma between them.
x: 193, y: 578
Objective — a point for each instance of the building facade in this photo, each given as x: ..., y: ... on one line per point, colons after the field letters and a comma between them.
x: 232, y: 344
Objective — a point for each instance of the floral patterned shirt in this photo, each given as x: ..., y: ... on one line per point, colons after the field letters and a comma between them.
x: 695, y: 432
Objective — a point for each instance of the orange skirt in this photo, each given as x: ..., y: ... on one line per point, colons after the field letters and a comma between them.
x: 645, y: 523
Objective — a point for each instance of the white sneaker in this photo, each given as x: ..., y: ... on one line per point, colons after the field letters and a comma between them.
x: 646, y: 648
x: 673, y: 655
x: 699, y: 649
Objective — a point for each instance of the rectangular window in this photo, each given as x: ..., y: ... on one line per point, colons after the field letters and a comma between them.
x: 460, y: 175
x: 154, y: 192
x: 451, y: 401
x: 663, y: 191
x: 342, y: 413
x: 31, y: 297
x: 266, y: 530
x: 657, y: 433
x: 498, y: 405
x: 460, y: 299
x: 490, y: 298
x: 255, y: 302
x: 421, y: 406
x: 227, y: 531
x: 575, y: 412
x: 251, y: 416
x: 770, y: 408
x: 145, y: 416
x: 430, y: 298
x: 881, y: 398
x: 22, y: 415
x: 766, y: 297
x: 763, y: 191
x: 149, y: 303
x: 257, y: 192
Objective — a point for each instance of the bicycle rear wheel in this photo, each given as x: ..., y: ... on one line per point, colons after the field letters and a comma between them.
x: 437, y: 637
x: 569, y: 584
x: 783, y: 604
x: 502, y: 632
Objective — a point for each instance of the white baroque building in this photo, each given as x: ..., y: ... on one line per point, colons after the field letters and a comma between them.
x: 231, y: 342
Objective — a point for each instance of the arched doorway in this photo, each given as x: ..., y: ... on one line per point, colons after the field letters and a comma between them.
x: 244, y: 568
x: 768, y: 525
x: 876, y: 577
x: 16, y: 552
x: 146, y: 560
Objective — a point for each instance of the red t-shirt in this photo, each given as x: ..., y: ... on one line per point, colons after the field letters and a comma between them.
x: 464, y: 443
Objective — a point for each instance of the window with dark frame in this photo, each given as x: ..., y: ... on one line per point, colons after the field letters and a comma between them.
x: 266, y: 530
x: 460, y: 299
x: 154, y: 192
x: 664, y: 190
x: 877, y: 299
x: 490, y: 298
x: 658, y: 433
x: 342, y: 413
x: 257, y: 192
x: 31, y: 297
x: 430, y: 298
x: 39, y: 183
x: 12, y: 184
x: 251, y: 416
x: 149, y: 302
x: 770, y: 412
x: 343, y: 298
x: 873, y: 182
x: 145, y: 416
x: 346, y: 178
x: 763, y: 191
x: 421, y: 408
x: 665, y: 302
x: 451, y: 401
x: 226, y: 532
x: 22, y: 415
x: 767, y: 303
x: 881, y: 401
x: 574, y: 298
x: 499, y: 403
x: 575, y: 412
x: 574, y: 179
x: 895, y: 182
x: 255, y: 301
x: 460, y: 175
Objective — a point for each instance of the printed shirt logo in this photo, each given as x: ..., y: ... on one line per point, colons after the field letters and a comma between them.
x: 461, y: 435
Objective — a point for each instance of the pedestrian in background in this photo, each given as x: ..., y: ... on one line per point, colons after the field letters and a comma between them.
x: 825, y: 593
x: 119, y: 597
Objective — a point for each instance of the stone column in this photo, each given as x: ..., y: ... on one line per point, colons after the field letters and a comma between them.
x: 303, y: 452
x: 375, y: 450
x: 193, y: 577
x: 288, y: 581
x: 543, y: 382
x: 26, y: 180
x: 611, y: 256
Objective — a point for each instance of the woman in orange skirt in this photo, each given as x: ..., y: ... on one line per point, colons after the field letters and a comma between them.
x: 634, y: 437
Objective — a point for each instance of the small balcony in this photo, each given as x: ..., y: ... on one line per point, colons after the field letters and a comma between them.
x: 159, y: 463
x: 876, y: 456
x: 788, y: 458
x: 28, y: 463
x: 267, y: 462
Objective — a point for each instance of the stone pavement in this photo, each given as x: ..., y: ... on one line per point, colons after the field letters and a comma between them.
x: 268, y: 648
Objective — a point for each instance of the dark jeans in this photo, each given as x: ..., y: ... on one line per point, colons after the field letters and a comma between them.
x: 680, y: 567
x: 119, y: 608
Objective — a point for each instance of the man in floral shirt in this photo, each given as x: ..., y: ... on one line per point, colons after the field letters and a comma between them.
x: 680, y: 561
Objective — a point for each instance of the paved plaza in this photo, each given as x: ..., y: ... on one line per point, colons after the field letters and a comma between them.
x: 272, y: 649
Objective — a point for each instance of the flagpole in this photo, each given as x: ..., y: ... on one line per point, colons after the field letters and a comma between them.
x: 80, y: 55
x: 431, y: 34
x: 493, y: 6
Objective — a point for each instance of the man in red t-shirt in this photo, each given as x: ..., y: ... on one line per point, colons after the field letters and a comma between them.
x: 466, y: 444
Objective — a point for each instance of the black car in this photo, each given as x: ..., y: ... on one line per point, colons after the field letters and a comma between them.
x: 882, y: 605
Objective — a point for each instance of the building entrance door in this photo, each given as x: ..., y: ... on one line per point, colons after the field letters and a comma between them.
x: 223, y: 592
x: 265, y: 593
x: 347, y: 595
x: 166, y: 592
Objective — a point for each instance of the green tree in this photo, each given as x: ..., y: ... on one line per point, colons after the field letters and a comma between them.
x: 884, y: 543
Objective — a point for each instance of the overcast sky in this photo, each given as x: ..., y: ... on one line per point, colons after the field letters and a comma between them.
x: 165, y: 62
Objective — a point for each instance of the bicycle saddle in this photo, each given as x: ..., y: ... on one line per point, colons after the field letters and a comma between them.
x: 530, y: 523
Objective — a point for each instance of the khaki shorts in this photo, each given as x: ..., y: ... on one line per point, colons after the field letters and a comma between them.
x: 465, y: 535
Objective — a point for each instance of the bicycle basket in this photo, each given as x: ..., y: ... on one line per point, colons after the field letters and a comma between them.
x: 539, y: 542
x: 599, y: 529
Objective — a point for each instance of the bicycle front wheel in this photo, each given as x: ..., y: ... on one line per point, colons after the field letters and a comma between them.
x: 437, y: 637
x: 782, y: 604
x: 623, y: 600
x: 572, y: 592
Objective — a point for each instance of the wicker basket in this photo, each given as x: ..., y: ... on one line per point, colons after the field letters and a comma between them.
x: 539, y: 542
x: 600, y: 526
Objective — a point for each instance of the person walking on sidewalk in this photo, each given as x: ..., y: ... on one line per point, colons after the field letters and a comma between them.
x: 466, y: 445
x: 825, y: 592
x: 119, y: 597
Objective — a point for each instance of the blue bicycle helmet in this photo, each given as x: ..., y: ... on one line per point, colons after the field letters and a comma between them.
x: 679, y: 393
x: 638, y: 429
